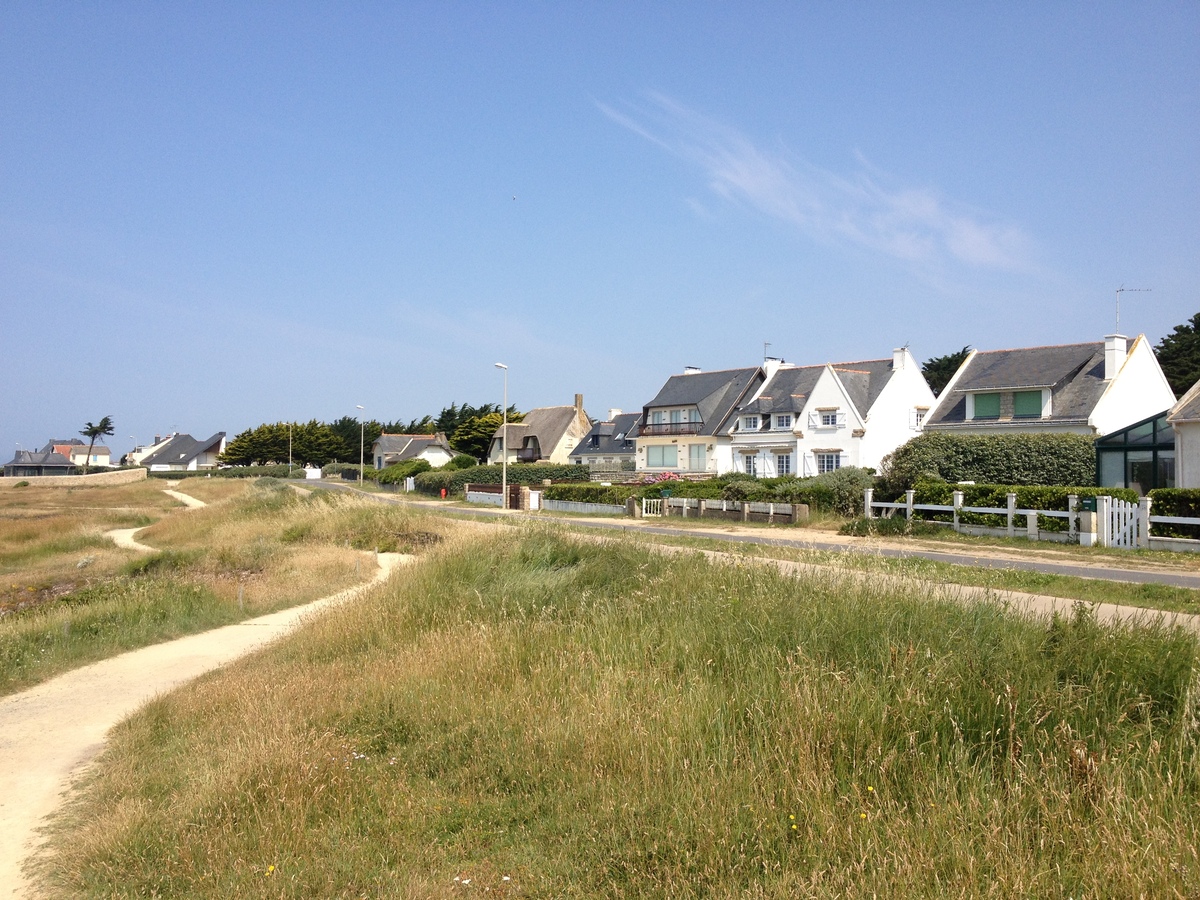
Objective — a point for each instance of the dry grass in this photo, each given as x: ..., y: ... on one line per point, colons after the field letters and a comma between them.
x: 256, y: 548
x: 538, y: 718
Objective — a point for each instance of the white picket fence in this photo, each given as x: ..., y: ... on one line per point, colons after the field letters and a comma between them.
x: 1115, y: 523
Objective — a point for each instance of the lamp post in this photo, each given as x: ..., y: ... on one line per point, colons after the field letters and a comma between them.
x: 362, y: 430
x: 289, y: 449
x: 504, y: 442
x: 129, y: 458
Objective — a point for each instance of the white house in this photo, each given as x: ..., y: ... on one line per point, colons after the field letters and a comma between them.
x: 389, y: 449
x: 807, y: 420
x: 183, y: 453
x: 1095, y: 388
x: 686, y: 427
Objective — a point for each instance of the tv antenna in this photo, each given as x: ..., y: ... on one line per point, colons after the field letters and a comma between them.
x: 766, y: 347
x: 1122, y: 290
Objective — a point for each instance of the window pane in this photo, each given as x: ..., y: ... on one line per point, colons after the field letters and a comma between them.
x: 1025, y: 403
x: 670, y: 456
x: 1166, y: 469
x: 1143, y: 434
x: 783, y: 464
x: 1112, y: 468
x: 696, y: 457
x: 676, y: 416
x: 1139, y: 470
x: 987, y: 406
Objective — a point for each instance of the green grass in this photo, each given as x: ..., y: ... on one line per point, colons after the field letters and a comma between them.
x: 547, y: 718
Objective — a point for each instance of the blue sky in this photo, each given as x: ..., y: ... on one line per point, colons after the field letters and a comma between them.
x: 215, y: 215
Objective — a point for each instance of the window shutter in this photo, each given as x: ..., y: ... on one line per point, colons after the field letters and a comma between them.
x: 841, y: 420
x: 814, y: 419
x: 912, y: 419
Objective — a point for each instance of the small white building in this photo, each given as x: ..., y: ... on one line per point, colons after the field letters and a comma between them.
x: 807, y: 420
x: 183, y: 453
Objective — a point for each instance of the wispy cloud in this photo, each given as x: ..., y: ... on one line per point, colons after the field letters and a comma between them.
x: 864, y: 207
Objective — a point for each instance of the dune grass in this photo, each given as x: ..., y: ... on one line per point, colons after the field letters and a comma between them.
x: 223, y: 563
x: 527, y: 716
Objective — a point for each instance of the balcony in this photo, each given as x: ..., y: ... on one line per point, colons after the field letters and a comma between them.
x: 670, y: 428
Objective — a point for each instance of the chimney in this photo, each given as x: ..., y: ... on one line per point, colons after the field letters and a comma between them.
x: 579, y: 403
x: 1114, y: 355
x: 898, y: 358
x: 691, y: 370
x: 613, y: 413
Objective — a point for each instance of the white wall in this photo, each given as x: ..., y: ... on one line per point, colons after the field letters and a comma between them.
x: 1187, y: 454
x: 889, y: 421
x: 1139, y: 391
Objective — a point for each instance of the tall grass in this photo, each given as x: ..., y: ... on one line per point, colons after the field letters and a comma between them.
x: 220, y: 564
x: 544, y: 718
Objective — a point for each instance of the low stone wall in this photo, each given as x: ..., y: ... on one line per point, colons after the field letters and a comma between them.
x: 95, y: 479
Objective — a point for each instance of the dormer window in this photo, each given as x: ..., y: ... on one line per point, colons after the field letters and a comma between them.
x: 749, y: 423
x: 987, y: 406
x: 1027, y: 404
x: 783, y: 422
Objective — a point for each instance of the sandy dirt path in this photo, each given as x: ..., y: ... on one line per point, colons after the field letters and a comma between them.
x: 50, y: 732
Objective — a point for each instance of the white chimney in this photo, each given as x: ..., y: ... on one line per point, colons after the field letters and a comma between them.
x: 898, y: 358
x: 1114, y: 355
x: 691, y: 370
x: 613, y: 413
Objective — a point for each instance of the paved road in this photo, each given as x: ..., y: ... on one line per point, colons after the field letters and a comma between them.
x: 50, y: 732
x: 1035, y: 559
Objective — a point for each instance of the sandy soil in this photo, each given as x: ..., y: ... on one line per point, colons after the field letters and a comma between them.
x: 49, y: 733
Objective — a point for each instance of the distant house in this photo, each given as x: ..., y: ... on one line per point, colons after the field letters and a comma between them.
x: 1095, y: 388
x: 546, y: 434
x: 389, y: 449
x: 138, y: 454
x: 611, y: 444
x: 38, y: 462
x: 812, y: 419
x: 686, y: 427
x: 183, y: 453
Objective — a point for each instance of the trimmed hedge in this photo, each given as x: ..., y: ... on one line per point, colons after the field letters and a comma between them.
x: 274, y: 470
x: 518, y: 473
x: 395, y: 474
x: 1020, y: 459
x: 615, y: 494
x: 940, y: 493
x: 1183, y: 502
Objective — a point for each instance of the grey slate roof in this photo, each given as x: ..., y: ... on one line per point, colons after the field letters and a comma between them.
x: 615, y: 437
x: 1073, y: 372
x: 1188, y: 407
x: 397, y: 448
x: 181, y: 450
x: 715, y: 394
x: 45, y: 458
x: 789, y: 388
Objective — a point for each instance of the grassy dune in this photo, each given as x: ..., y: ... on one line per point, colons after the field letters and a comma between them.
x: 524, y: 716
x: 255, y: 549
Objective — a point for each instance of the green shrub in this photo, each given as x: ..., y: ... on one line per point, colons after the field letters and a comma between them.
x: 518, y: 473
x: 21, y: 484
x: 333, y: 469
x: 1182, y: 502
x: 400, y: 471
x: 939, y: 493
x: 615, y: 494
x: 462, y: 461
x: 1026, y: 459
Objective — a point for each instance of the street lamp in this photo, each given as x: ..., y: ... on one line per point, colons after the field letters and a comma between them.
x: 504, y: 442
x: 289, y: 449
x: 129, y: 458
x: 362, y: 426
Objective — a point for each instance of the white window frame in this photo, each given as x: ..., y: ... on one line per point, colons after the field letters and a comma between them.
x: 693, y: 457
x: 828, y: 462
x: 783, y: 422
x: 750, y: 464
x: 783, y: 463
x: 661, y: 453
x: 750, y: 423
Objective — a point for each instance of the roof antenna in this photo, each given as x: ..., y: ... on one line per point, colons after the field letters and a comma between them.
x: 766, y: 347
x: 1121, y: 290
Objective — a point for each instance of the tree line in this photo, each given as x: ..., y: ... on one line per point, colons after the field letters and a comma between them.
x: 468, y: 428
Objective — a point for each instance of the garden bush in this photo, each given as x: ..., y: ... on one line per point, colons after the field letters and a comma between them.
x: 1024, y: 459
x: 397, y: 473
x: 1182, y: 502
x: 615, y: 494
x: 462, y: 461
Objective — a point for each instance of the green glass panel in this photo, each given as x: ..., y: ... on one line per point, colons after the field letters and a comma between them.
x: 1026, y: 403
x: 987, y: 406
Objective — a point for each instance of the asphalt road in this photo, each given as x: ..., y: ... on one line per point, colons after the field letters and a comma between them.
x: 1102, y: 567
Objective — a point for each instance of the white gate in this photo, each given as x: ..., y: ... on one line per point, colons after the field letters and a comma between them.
x: 651, y: 507
x: 1119, y: 520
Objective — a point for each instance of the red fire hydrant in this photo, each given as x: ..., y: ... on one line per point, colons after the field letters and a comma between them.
x: 443, y: 493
